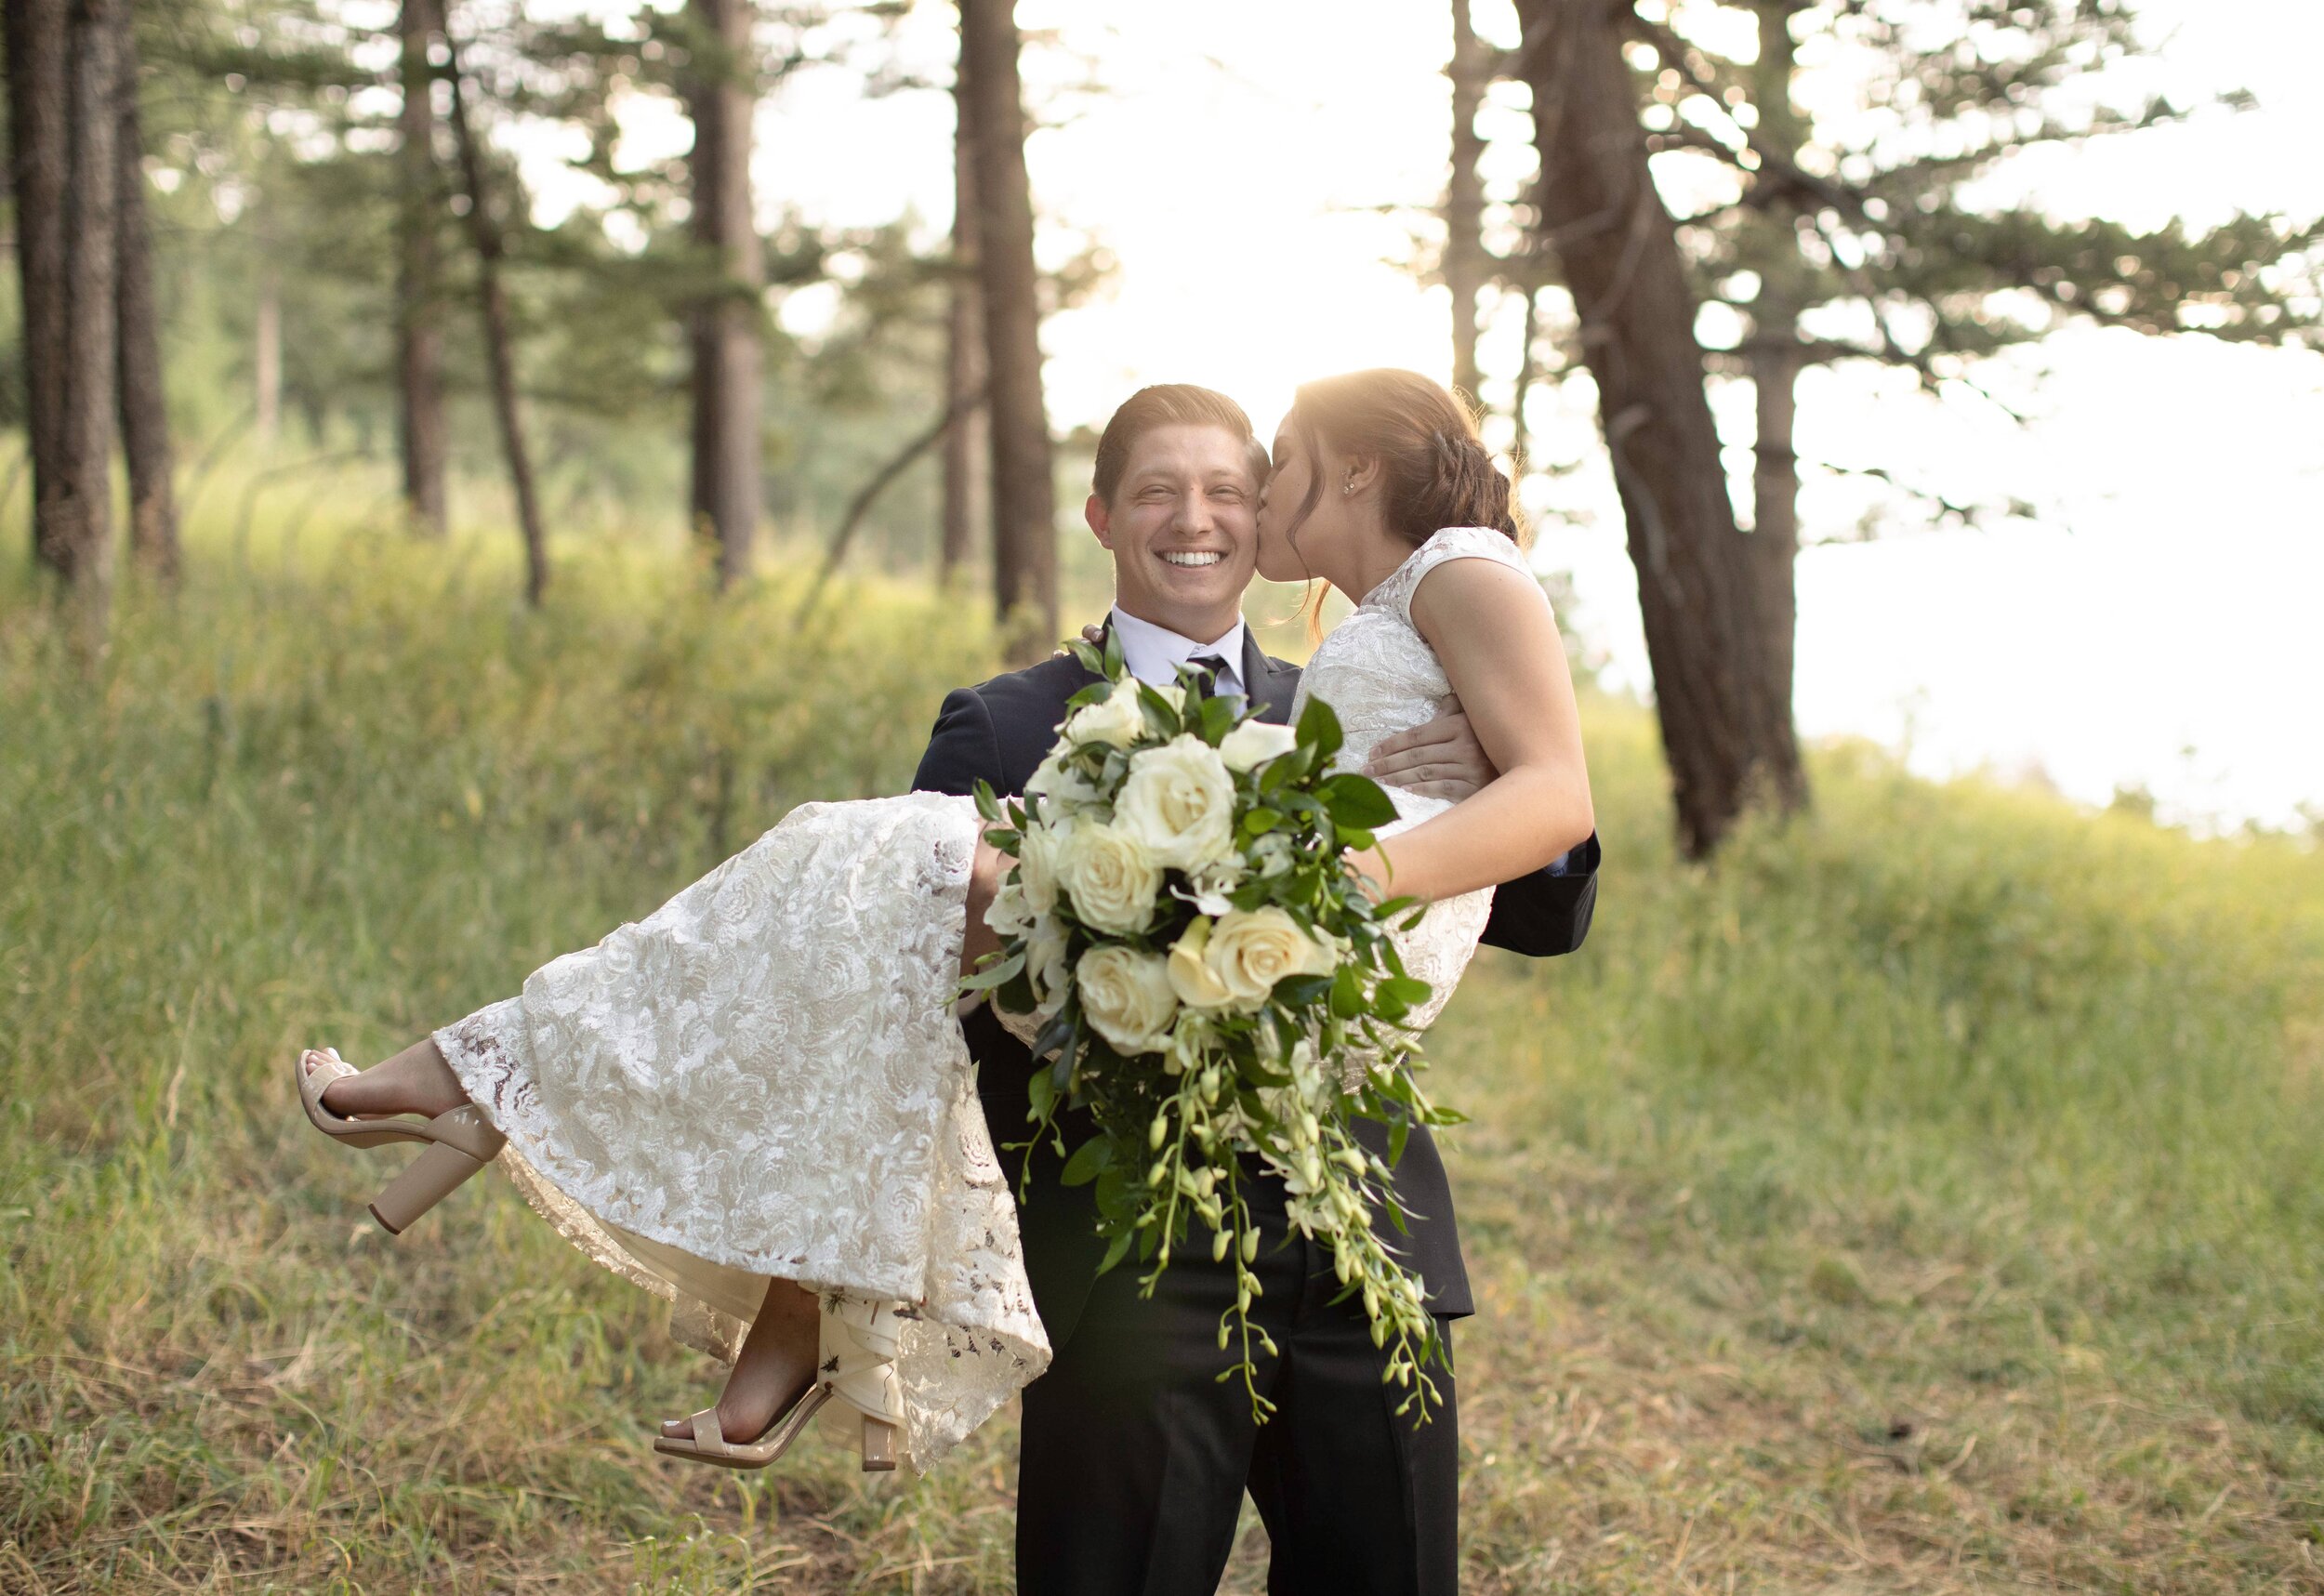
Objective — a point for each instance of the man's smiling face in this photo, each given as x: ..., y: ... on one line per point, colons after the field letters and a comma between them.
x: 1182, y: 528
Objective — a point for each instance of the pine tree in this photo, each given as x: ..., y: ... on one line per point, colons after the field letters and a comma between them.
x: 1887, y: 230
x: 1025, y: 492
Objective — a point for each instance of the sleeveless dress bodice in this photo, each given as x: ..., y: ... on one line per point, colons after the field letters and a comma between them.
x: 1381, y: 677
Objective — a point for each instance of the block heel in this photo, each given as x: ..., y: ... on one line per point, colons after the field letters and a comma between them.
x: 429, y: 1179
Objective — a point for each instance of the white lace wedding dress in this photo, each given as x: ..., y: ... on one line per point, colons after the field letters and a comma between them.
x: 765, y: 1078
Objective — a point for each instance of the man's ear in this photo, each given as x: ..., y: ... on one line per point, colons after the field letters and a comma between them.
x: 1100, y: 515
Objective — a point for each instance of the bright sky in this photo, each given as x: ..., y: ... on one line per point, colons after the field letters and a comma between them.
x: 1253, y: 171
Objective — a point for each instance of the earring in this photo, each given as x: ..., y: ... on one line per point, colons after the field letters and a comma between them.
x: 1348, y: 486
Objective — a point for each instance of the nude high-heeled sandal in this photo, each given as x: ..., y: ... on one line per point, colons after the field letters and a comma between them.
x: 855, y: 1365
x: 460, y: 1142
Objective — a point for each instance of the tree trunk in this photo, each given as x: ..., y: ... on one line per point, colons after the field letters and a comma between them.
x: 498, y: 345
x: 1024, y: 488
x: 1466, y: 266
x: 418, y: 306
x: 722, y: 94
x: 144, y: 410
x: 1775, y: 360
x: 40, y: 159
x: 85, y: 518
x: 1521, y: 439
x: 1771, y: 247
x: 1727, y: 733
x: 968, y: 441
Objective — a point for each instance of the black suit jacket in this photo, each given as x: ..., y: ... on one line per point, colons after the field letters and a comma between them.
x: 998, y: 732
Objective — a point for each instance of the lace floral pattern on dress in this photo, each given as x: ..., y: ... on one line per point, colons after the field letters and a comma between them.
x: 765, y: 1078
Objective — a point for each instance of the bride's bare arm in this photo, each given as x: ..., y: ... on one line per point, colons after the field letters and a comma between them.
x: 979, y: 939
x: 1491, y: 626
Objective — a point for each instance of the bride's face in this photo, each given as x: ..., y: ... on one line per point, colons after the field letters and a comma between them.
x: 1280, y: 558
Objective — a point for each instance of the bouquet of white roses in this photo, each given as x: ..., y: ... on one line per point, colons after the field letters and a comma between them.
x: 1211, y: 982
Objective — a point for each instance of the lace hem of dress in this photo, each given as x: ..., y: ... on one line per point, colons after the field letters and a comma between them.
x: 764, y: 1079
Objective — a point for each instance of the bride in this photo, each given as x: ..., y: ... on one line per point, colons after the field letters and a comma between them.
x: 758, y: 1102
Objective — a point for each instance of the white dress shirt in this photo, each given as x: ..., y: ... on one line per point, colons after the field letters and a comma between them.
x: 1153, y: 653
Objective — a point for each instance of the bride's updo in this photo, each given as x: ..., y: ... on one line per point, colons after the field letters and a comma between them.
x: 1434, y: 472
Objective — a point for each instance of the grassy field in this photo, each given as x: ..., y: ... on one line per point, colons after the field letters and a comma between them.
x: 1926, y: 1199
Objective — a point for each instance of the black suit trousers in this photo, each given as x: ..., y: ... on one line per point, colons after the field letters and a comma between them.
x: 1135, y: 1455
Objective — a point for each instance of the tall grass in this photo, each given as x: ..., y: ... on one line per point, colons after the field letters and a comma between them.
x: 1926, y: 1196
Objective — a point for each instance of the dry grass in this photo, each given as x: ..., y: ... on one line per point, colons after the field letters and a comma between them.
x: 1926, y: 1200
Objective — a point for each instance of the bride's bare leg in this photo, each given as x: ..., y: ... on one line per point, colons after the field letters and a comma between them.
x: 415, y: 1081
x: 775, y: 1368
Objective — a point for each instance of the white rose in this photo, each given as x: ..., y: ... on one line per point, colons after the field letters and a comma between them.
x: 1180, y: 802
x: 1253, y: 743
x: 1249, y: 952
x: 1125, y: 994
x: 1197, y: 985
x: 1115, y: 718
x: 1038, y: 850
x: 1111, y: 876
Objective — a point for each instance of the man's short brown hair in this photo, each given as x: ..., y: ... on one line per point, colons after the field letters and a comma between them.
x: 1168, y: 405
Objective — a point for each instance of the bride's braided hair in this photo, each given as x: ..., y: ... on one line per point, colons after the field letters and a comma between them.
x: 1434, y: 472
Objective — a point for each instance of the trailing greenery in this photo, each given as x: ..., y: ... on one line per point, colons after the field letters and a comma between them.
x: 1925, y: 1198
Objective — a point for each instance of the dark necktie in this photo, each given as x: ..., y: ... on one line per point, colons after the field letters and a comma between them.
x: 1207, y: 668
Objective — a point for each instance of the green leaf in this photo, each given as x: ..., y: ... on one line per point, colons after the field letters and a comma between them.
x: 987, y: 806
x: 1398, y: 1129
x: 1262, y: 821
x: 989, y: 975
x: 1042, y: 1094
x: 1161, y: 720
x: 1218, y: 718
x: 1356, y: 800
x: 1355, y: 837
x: 1093, y: 693
x: 1091, y: 661
x: 1057, y: 1034
x: 1319, y: 728
x: 1015, y: 995
x: 1282, y: 768
x: 1115, y: 663
x: 1347, y: 993
x: 1299, y: 991
x: 1091, y: 1157
x: 1117, y: 1249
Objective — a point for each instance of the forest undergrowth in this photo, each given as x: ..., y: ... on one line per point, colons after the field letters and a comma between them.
x: 1925, y: 1198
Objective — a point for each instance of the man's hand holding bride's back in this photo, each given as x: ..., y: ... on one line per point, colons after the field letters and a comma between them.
x: 1441, y: 759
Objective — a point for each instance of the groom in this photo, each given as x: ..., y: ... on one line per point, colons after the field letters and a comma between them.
x: 1135, y: 1455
